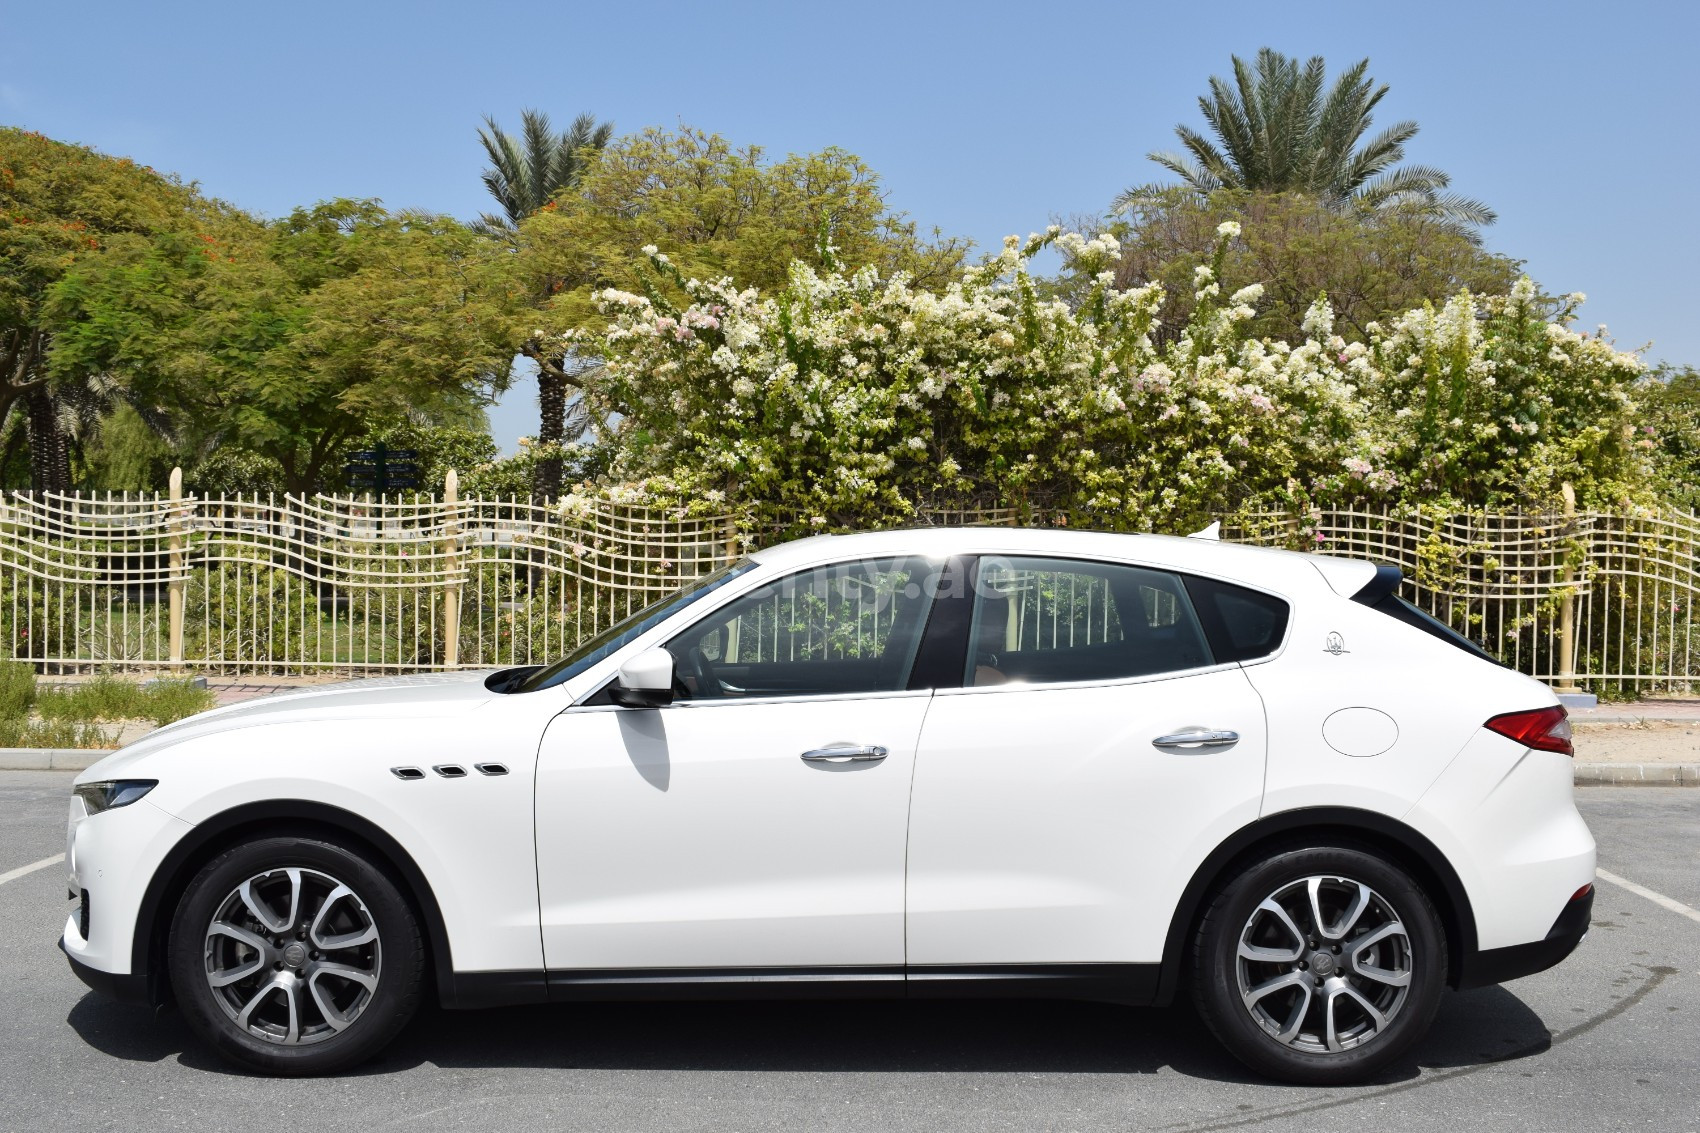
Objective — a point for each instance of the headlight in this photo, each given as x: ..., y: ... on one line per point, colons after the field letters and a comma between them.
x: 117, y: 792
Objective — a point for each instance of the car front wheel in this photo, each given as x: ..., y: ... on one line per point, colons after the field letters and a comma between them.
x: 293, y: 955
x: 1319, y: 965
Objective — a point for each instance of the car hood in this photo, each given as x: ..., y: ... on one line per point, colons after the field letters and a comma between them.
x: 404, y: 698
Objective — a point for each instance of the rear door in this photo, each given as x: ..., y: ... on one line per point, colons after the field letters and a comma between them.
x: 1094, y: 755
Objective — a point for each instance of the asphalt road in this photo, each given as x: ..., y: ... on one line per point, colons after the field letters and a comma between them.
x: 1610, y: 1040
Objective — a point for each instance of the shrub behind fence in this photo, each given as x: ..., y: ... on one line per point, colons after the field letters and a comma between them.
x: 294, y: 585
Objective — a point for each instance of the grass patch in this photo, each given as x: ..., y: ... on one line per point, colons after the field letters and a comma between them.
x: 17, y: 689
x: 108, y: 698
x: 52, y: 733
x: 70, y: 715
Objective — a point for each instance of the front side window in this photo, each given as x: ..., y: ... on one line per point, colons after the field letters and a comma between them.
x: 844, y: 628
x: 622, y: 633
x: 1048, y: 621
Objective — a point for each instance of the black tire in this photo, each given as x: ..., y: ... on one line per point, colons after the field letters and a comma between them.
x: 368, y: 1017
x: 1223, y: 980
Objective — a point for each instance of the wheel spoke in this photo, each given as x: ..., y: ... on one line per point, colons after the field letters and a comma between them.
x: 227, y: 976
x: 292, y: 995
x: 258, y: 908
x: 1269, y: 987
x: 1274, y: 909
x: 244, y: 1017
x: 1296, y: 1020
x: 1351, y: 916
x: 1269, y: 955
x: 1313, y: 887
x: 340, y: 940
x: 365, y: 979
x: 322, y: 1001
x: 238, y: 933
x: 294, y: 876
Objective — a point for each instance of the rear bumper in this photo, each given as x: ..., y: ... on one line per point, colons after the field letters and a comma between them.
x: 1498, y: 965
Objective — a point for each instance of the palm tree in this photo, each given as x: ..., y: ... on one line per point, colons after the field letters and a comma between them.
x: 1278, y: 131
x: 525, y: 174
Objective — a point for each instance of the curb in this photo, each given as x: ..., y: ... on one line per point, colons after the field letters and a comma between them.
x: 1638, y: 774
x: 51, y: 758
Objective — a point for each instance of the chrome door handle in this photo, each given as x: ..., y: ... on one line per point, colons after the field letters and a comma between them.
x: 1194, y: 739
x: 845, y: 753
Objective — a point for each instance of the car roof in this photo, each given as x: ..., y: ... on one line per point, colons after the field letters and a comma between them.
x: 1253, y: 564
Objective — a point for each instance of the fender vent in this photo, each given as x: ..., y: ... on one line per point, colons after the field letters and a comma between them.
x: 407, y: 773
x: 491, y: 768
x: 450, y: 770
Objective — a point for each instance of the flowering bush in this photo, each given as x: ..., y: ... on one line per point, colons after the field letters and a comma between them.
x: 846, y: 398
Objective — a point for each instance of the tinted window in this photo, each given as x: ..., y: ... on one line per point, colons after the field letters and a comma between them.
x: 1242, y: 624
x: 846, y: 628
x: 1055, y: 620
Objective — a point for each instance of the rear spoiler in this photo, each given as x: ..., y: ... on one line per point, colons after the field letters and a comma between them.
x: 1381, y: 593
x: 1386, y: 581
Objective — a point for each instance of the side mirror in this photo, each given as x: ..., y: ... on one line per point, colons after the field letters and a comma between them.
x: 646, y: 681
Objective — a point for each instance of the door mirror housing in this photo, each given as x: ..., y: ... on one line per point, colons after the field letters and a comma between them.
x: 646, y: 681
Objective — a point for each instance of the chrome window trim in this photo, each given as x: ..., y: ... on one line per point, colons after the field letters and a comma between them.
x: 733, y: 701
x: 1107, y: 682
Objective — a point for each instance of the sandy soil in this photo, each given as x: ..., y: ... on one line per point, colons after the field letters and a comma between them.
x: 1638, y: 743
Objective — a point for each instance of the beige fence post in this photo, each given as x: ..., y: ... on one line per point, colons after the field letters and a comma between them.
x: 451, y: 566
x: 179, y: 583
x: 1567, y: 607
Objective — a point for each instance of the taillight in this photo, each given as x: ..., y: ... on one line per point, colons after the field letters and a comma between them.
x: 1544, y: 729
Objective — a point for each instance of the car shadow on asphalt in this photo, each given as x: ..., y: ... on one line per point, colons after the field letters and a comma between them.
x: 1040, y: 1037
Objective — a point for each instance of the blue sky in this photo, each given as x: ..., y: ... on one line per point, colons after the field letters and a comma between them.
x: 1577, y: 122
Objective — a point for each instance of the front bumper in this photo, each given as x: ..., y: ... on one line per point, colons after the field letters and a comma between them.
x: 111, y: 858
x: 124, y: 989
x: 1497, y: 965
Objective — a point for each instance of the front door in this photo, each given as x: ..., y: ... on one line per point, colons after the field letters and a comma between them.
x: 1061, y: 794
x: 759, y: 821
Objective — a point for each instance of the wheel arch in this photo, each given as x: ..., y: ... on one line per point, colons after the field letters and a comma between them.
x: 1404, y: 845
x: 294, y: 816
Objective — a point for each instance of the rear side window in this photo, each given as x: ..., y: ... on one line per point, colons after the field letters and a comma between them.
x: 1052, y: 621
x: 1242, y: 624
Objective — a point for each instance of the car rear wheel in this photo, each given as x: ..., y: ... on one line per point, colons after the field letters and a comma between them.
x: 1320, y: 965
x: 295, y: 956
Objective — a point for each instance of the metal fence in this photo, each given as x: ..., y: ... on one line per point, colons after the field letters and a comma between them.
x: 295, y: 585
x: 1605, y: 600
x: 290, y: 585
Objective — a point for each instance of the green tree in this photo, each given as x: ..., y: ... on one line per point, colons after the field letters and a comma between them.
x: 1278, y: 130
x: 526, y: 174
x: 718, y: 211
x: 61, y: 205
x: 290, y: 339
x: 1371, y: 265
x: 1668, y: 425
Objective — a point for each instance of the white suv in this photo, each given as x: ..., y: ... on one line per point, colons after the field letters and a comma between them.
x: 917, y: 763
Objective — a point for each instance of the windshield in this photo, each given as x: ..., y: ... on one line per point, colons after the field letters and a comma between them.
x: 623, y: 632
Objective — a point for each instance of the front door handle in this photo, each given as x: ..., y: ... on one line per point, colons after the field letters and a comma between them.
x: 1197, y: 739
x: 845, y: 753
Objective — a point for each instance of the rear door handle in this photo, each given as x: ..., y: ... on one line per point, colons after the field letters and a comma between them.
x: 846, y: 753
x: 1197, y: 739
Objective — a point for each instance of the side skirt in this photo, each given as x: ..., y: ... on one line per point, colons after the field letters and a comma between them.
x: 1134, y: 984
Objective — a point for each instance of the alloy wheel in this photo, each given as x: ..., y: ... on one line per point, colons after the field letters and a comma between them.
x: 292, y: 956
x: 1324, y: 964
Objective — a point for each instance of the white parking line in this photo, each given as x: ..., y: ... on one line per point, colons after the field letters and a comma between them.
x: 14, y: 874
x: 1660, y: 899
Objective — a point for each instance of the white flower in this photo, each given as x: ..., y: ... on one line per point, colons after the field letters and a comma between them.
x: 650, y: 250
x: 1228, y: 228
